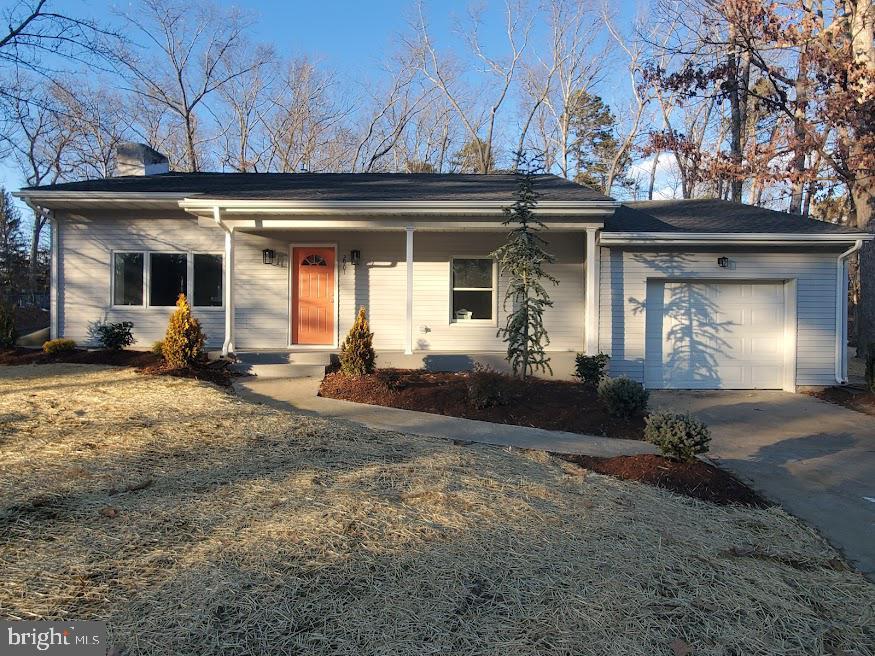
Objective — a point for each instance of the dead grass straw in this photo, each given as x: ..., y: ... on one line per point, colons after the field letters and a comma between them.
x: 195, y: 523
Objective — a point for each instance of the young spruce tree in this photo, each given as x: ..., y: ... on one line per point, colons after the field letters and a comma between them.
x: 357, y: 355
x: 522, y: 259
x: 183, y: 343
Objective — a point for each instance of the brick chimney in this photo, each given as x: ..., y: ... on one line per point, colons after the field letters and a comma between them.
x: 139, y: 159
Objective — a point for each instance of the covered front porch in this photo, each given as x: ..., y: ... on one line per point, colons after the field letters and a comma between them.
x: 292, y: 363
x: 433, y: 294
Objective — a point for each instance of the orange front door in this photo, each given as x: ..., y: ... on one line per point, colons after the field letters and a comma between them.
x: 313, y: 295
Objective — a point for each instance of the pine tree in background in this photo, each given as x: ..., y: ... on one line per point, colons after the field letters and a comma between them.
x: 183, y: 344
x: 357, y: 355
x: 12, y: 247
x: 522, y: 259
x: 8, y: 334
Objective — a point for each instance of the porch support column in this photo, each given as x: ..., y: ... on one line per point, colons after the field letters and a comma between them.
x: 591, y: 318
x: 408, y: 317
x: 54, y: 323
x: 228, y: 283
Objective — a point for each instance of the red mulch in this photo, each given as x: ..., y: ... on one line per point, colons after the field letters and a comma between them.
x: 850, y: 397
x: 215, y: 371
x: 144, y: 362
x: 695, y: 479
x: 548, y: 404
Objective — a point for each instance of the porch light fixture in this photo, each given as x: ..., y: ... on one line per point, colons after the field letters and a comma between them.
x: 355, y: 257
x: 268, y: 256
x: 723, y: 262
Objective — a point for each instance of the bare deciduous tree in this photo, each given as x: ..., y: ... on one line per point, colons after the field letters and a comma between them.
x: 189, y: 51
x: 475, y: 112
x: 40, y: 145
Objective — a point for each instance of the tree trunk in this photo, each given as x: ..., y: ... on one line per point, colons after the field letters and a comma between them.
x: 35, y: 234
x: 863, y: 199
x: 799, y: 120
x: 734, y: 118
x: 862, y: 191
x: 652, y: 176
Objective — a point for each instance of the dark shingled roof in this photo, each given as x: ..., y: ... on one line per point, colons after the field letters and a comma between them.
x: 712, y: 216
x: 337, y: 186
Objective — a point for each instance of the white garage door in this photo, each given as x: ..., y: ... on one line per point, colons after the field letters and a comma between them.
x: 704, y: 335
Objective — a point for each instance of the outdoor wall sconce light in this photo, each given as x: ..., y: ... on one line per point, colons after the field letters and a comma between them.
x: 355, y: 257
x: 723, y: 262
x: 268, y: 256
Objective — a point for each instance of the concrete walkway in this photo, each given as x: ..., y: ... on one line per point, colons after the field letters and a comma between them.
x: 299, y: 394
x: 815, y: 458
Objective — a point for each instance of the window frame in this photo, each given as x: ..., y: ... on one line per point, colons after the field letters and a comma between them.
x: 207, y: 308
x: 147, y: 269
x: 453, y: 321
x: 112, y: 255
x: 188, y: 271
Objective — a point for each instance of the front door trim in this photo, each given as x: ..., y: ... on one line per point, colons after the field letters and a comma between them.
x: 313, y: 347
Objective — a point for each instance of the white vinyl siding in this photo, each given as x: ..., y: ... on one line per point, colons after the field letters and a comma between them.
x: 261, y: 292
x: 623, y: 292
x: 85, y: 272
x: 379, y: 283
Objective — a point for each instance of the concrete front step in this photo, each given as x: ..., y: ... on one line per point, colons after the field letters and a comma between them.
x: 283, y: 364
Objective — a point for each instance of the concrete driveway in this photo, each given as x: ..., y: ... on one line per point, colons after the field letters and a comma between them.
x: 814, y: 458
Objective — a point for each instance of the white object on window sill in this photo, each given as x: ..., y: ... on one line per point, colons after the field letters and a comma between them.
x: 464, y: 315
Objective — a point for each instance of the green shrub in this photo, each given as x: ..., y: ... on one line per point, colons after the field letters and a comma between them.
x: 487, y: 388
x: 112, y: 336
x: 357, y: 355
x: 591, y: 368
x: 680, y: 437
x: 183, y: 343
x: 870, y: 368
x: 8, y: 334
x: 158, y: 348
x: 623, y: 396
x: 55, y: 346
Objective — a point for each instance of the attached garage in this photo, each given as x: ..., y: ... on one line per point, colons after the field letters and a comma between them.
x: 716, y: 335
x: 708, y: 294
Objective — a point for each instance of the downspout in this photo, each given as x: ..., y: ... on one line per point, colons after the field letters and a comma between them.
x: 228, y: 274
x: 841, y: 356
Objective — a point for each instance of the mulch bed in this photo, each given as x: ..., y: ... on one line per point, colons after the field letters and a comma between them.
x: 696, y: 479
x: 538, y: 403
x: 145, y: 362
x: 854, y: 398
x: 214, y: 371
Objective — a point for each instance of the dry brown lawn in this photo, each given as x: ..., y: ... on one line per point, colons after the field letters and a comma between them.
x: 196, y: 523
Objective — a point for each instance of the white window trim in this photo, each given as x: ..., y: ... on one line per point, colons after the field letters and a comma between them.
x: 147, y: 268
x: 494, y: 289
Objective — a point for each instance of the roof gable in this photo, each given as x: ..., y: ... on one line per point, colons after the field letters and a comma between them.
x: 713, y: 216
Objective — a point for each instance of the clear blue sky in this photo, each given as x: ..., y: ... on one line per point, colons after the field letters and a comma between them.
x: 351, y: 36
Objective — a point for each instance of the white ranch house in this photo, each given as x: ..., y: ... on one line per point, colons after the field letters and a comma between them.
x: 699, y: 294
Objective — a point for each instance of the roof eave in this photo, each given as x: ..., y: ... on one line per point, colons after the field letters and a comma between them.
x: 264, y: 207
x: 63, y: 199
x: 724, y: 238
x: 199, y: 205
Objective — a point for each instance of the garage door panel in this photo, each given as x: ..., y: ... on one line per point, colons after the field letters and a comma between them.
x: 714, y: 335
